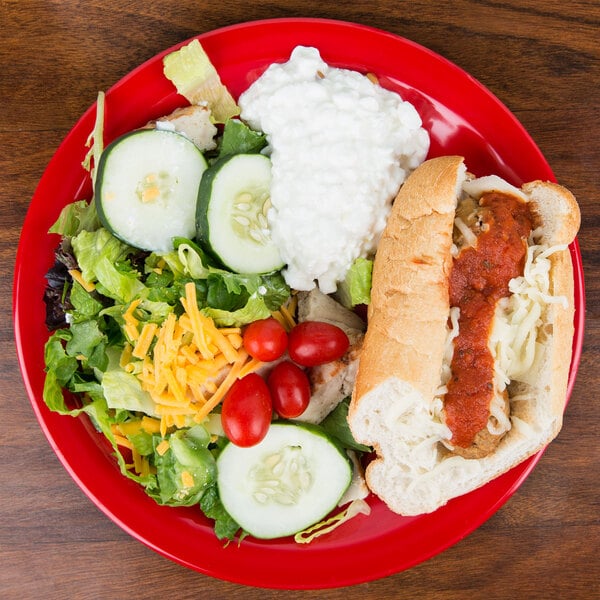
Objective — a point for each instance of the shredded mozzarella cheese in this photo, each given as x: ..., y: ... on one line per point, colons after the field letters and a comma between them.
x: 514, y: 340
x: 466, y: 232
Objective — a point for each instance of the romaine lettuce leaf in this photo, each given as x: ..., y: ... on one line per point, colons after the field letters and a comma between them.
x: 195, y: 78
x: 118, y: 282
x: 85, y: 336
x: 186, y: 469
x: 76, y: 217
x: 92, y: 247
x: 124, y: 391
x: 85, y: 305
x: 58, y: 362
x: 238, y: 138
x: 232, y: 299
x: 254, y: 309
x: 356, y: 287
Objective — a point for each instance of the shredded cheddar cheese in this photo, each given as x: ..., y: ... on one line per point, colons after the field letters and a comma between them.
x: 187, y: 364
x: 187, y: 479
x: 162, y: 447
x: 144, y: 340
x: 88, y: 286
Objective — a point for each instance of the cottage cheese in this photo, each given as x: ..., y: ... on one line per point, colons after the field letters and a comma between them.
x: 340, y: 147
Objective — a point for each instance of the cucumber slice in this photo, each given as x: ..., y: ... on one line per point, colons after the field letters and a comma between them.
x: 231, y: 220
x: 290, y: 480
x: 147, y: 186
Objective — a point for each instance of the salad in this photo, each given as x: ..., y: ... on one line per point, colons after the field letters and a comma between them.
x: 175, y: 332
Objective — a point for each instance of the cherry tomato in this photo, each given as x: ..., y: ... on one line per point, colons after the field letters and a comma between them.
x: 290, y: 389
x: 246, y: 411
x: 313, y: 343
x: 265, y: 340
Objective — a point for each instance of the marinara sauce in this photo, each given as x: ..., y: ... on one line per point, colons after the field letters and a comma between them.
x: 478, y: 279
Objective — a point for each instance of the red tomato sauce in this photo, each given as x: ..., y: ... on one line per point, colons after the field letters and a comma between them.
x: 478, y: 279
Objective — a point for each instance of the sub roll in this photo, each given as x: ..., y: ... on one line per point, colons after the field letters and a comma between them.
x: 464, y: 367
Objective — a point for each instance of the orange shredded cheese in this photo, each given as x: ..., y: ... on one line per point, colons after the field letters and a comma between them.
x: 187, y: 364
x: 143, y: 342
x: 288, y: 317
x: 162, y: 447
x: 131, y: 323
x: 150, y: 425
x: 219, y: 394
x: 121, y: 440
x: 251, y: 366
x: 187, y: 479
x: 137, y: 460
x: 88, y: 286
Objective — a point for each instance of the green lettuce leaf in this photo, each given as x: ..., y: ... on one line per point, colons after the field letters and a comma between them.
x: 85, y: 336
x: 225, y: 527
x: 58, y: 362
x: 336, y: 425
x: 124, y: 391
x: 76, y: 217
x: 238, y: 138
x: 93, y: 247
x: 85, y: 305
x: 117, y: 281
x: 232, y: 299
x: 254, y: 309
x: 356, y: 287
x: 188, y: 452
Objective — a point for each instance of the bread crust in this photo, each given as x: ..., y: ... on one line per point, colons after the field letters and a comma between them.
x: 409, y: 295
x: 402, y: 355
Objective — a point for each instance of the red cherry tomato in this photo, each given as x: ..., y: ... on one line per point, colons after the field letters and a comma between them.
x: 246, y: 411
x: 290, y: 389
x: 313, y: 343
x: 265, y: 340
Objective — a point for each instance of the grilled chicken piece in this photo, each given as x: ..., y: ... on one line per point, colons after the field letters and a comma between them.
x: 334, y: 381
x: 193, y: 122
x: 317, y: 306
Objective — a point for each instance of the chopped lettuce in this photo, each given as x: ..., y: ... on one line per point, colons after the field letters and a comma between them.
x: 192, y: 73
x: 238, y: 138
x: 124, y: 391
x: 76, y: 217
x: 186, y: 469
x: 232, y: 299
x: 85, y: 305
x: 356, y: 287
x: 336, y: 425
x: 85, y: 336
x: 356, y: 507
x: 210, y: 503
x: 91, y: 247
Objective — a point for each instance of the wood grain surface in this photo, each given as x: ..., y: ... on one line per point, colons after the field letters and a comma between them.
x: 540, y: 57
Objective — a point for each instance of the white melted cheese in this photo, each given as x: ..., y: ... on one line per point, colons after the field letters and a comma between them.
x: 340, y: 147
x: 514, y: 340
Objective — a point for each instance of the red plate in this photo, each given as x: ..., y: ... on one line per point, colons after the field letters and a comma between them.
x: 461, y: 116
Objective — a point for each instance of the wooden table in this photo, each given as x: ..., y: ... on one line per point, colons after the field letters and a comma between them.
x: 541, y: 57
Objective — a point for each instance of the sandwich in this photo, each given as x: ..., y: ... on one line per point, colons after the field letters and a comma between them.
x: 464, y: 366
